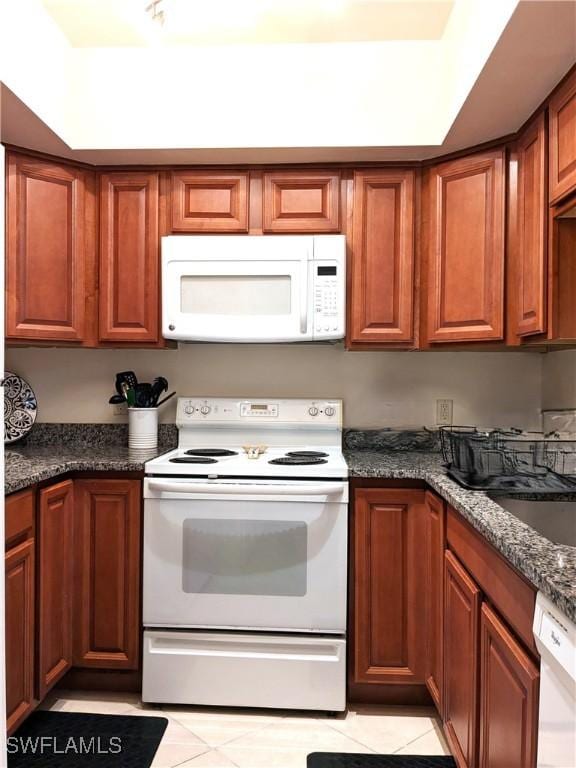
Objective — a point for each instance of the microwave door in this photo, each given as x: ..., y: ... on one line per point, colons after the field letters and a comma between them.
x: 237, y: 300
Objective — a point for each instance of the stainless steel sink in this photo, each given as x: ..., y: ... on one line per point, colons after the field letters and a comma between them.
x: 556, y: 520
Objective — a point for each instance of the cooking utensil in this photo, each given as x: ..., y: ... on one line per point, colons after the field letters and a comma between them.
x: 143, y: 394
x: 165, y: 399
x: 117, y: 400
x: 125, y: 377
x: 159, y: 385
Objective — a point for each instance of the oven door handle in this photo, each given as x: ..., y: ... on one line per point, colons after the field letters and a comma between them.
x: 318, y: 489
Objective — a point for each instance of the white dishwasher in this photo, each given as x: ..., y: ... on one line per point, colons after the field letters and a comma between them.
x: 555, y: 637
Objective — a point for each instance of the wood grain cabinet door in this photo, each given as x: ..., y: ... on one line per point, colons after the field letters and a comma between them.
x: 562, y: 146
x: 509, y: 682
x: 19, y: 574
x: 388, y: 578
x: 301, y: 201
x: 210, y: 201
x: 45, y: 256
x: 382, y: 274
x: 532, y: 215
x: 129, y: 257
x: 55, y: 583
x: 107, y: 543
x: 465, y: 236
x: 461, y: 620
x: 435, y: 538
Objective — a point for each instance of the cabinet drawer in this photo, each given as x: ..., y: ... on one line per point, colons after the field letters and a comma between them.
x: 19, y: 515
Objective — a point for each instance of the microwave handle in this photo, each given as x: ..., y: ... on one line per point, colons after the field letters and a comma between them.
x: 304, y: 299
x: 319, y: 489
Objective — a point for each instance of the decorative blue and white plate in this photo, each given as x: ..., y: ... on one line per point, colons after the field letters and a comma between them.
x: 20, y: 407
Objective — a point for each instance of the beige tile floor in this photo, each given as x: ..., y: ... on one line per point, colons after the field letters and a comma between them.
x: 209, y: 737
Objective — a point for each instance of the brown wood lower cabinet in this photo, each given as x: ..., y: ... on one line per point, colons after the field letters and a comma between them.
x: 508, y: 698
x: 434, y: 536
x: 55, y: 583
x: 461, y: 617
x: 19, y: 565
x: 107, y: 607
x: 389, y: 645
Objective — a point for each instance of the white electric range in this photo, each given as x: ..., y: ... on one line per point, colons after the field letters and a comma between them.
x: 245, y: 557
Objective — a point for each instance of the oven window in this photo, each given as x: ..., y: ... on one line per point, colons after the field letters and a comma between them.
x: 244, y: 557
x: 235, y: 294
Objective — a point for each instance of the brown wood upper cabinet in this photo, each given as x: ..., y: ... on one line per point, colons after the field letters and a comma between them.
x: 530, y: 251
x: 301, y: 201
x: 435, y: 542
x: 55, y: 583
x: 210, y: 201
x: 45, y: 255
x: 508, y: 698
x: 562, y: 119
x: 107, y: 544
x: 129, y: 257
x: 465, y: 234
x: 381, y: 299
x: 389, y: 645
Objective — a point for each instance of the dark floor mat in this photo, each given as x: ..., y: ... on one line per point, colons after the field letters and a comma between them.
x: 79, y: 740
x: 343, y: 760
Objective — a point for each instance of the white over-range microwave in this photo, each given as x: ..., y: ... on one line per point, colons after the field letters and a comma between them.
x: 253, y: 288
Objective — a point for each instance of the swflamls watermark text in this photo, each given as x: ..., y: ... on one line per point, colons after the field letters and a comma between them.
x: 79, y: 745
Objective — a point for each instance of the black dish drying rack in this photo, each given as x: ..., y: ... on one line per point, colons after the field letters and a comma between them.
x: 509, y: 459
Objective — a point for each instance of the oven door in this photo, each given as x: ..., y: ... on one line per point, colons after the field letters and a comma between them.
x: 267, y: 555
x: 237, y: 289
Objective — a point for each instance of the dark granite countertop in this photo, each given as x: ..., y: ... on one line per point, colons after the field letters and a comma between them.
x: 33, y: 464
x: 549, y: 567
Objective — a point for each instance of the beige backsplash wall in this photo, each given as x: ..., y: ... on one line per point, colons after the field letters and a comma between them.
x: 559, y: 379
x: 378, y: 388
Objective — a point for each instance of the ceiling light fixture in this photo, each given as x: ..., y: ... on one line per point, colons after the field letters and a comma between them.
x: 156, y: 11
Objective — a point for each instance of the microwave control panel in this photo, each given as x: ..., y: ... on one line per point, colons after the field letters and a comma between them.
x: 328, y: 300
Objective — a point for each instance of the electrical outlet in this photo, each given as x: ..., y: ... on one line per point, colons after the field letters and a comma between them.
x: 119, y: 410
x: 444, y: 410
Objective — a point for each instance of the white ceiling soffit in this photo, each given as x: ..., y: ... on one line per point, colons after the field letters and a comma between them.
x: 535, y: 49
x: 121, y: 23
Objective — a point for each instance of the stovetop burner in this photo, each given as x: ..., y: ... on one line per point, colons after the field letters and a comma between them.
x: 298, y: 460
x: 193, y: 460
x: 308, y: 454
x: 210, y: 452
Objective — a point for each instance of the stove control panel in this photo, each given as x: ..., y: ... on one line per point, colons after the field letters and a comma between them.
x: 281, y: 412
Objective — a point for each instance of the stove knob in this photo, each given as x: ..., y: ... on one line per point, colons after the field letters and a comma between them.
x: 205, y: 409
x: 189, y: 409
x: 313, y: 411
x: 329, y: 410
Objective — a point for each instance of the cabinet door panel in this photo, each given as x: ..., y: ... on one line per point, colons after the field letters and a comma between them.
x: 129, y: 257
x: 562, y: 147
x: 306, y: 201
x: 205, y: 201
x: 508, y: 698
x: 388, y: 586
x: 382, y: 284
x: 461, y: 618
x: 107, y: 610
x: 531, y: 262
x: 45, y: 271
x: 466, y: 249
x: 55, y: 584
x: 434, y: 585
x: 19, y: 565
